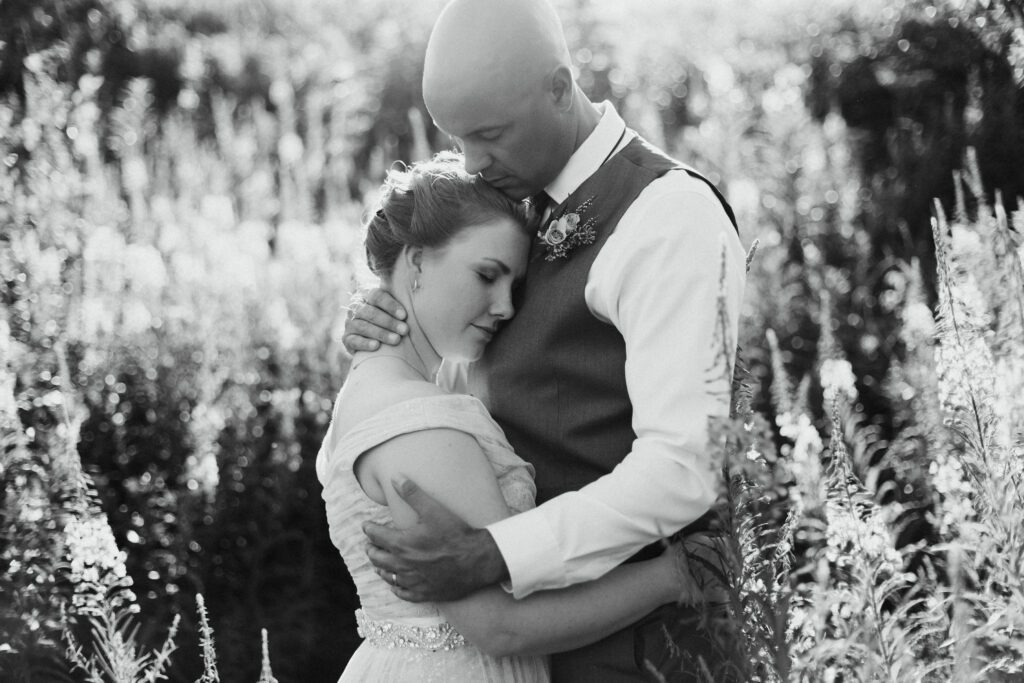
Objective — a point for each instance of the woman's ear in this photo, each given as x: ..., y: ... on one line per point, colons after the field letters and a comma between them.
x: 414, y: 259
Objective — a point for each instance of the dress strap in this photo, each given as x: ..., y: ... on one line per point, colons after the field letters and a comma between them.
x: 444, y: 411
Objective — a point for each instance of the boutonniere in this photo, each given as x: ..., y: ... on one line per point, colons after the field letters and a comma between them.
x: 568, y: 232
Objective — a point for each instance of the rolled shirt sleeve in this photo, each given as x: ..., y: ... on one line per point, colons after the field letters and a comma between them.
x: 657, y: 280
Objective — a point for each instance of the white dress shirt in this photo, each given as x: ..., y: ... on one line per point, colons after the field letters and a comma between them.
x: 656, y: 279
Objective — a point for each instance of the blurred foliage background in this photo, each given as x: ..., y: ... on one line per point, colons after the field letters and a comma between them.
x: 180, y: 200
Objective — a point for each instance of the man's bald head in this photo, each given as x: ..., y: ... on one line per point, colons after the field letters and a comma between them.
x: 481, y: 48
x: 497, y: 78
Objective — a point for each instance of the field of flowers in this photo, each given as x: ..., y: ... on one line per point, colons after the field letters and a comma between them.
x: 180, y: 199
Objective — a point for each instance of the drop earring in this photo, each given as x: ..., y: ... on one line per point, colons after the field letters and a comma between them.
x: 416, y: 285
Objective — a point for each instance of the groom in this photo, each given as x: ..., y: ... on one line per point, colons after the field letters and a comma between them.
x: 601, y: 379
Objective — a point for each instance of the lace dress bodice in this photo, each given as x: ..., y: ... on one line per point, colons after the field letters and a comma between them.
x: 411, y: 641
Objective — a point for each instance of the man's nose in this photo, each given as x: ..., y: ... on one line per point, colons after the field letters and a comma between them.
x: 477, y: 159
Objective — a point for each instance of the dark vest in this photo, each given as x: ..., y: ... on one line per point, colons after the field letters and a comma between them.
x: 555, y: 374
x: 555, y: 381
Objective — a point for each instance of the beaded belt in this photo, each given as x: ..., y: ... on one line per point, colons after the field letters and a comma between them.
x: 390, y: 635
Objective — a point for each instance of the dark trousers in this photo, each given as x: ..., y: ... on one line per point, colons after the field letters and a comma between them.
x: 673, y: 641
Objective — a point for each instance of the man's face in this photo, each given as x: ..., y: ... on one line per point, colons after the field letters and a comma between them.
x: 515, y: 142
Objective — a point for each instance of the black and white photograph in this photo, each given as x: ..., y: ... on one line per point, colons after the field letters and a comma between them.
x: 511, y: 341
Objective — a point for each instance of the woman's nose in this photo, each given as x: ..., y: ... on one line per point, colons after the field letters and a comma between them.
x: 502, y: 307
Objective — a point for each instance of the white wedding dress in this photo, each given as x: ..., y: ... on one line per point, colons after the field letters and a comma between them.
x: 406, y: 641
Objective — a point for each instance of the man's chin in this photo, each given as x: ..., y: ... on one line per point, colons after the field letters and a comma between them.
x: 511, y: 189
x: 517, y: 194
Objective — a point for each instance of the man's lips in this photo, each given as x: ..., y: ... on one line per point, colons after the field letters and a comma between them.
x: 500, y: 182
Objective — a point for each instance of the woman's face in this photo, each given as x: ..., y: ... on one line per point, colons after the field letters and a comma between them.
x: 466, y: 286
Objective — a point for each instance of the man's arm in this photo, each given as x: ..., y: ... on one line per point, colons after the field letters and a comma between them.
x: 657, y: 280
x: 439, y: 557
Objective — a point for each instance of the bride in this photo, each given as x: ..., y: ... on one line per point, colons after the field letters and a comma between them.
x: 452, y: 249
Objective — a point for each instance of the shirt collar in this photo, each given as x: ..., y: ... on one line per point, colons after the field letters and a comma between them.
x: 585, y: 161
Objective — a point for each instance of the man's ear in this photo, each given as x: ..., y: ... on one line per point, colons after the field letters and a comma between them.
x: 561, y: 87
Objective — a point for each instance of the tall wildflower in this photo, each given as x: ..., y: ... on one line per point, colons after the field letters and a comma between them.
x: 210, y: 673
x: 854, y: 615
x: 96, y: 567
x: 72, y: 549
x: 29, y: 610
x: 760, y: 582
x: 102, y: 595
x: 754, y: 556
x: 921, y: 445
x: 997, y: 261
x: 965, y: 381
x: 802, y: 453
x: 116, y: 656
x: 266, y: 674
x: 839, y: 392
x: 838, y: 381
x: 61, y: 558
x: 858, y: 619
x: 988, y: 600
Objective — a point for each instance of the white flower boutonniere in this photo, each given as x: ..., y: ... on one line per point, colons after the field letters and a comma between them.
x: 567, y: 233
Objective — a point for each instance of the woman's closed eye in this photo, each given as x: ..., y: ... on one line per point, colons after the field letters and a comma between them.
x: 487, y: 277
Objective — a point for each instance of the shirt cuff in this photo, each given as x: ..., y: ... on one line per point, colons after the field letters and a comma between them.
x: 530, y: 553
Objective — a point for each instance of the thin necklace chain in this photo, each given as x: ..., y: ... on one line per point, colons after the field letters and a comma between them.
x: 390, y: 355
x: 419, y: 356
x: 423, y: 373
x: 412, y: 342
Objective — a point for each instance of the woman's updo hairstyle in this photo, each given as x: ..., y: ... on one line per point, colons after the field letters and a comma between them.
x: 427, y: 204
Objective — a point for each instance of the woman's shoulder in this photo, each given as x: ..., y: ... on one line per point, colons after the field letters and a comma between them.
x: 417, y: 432
x: 398, y: 400
x: 377, y: 412
x: 361, y: 400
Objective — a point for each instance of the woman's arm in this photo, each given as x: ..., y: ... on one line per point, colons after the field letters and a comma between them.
x: 565, y: 619
x: 451, y: 467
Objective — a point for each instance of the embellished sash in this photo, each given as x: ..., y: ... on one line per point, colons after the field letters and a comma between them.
x: 391, y: 635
